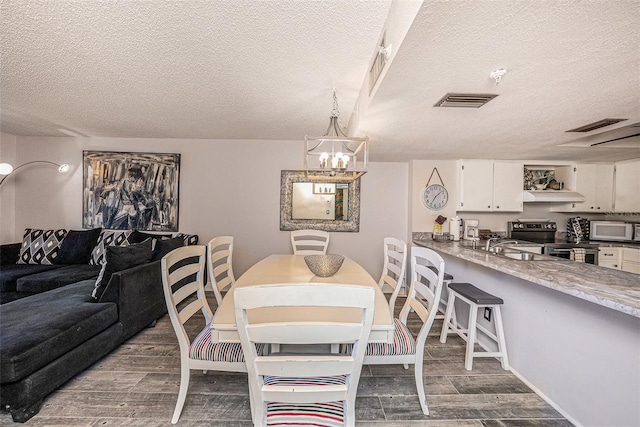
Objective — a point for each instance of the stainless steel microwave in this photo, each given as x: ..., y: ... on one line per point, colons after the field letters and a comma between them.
x: 611, y: 230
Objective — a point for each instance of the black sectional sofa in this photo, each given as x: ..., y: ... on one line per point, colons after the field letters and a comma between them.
x: 51, y: 328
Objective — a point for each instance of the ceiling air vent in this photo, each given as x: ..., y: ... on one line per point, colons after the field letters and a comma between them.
x: 465, y: 100
x: 596, y: 125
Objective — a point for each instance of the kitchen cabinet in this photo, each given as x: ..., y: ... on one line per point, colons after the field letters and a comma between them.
x: 488, y: 186
x: 610, y: 258
x: 593, y: 181
x: 631, y: 260
x: 627, y: 185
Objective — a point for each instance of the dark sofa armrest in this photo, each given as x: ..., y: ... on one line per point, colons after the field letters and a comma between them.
x: 139, y: 295
x: 9, y: 253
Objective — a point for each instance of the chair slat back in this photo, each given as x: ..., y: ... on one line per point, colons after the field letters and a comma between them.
x: 395, y: 265
x: 183, y: 279
x: 425, y: 290
x: 220, y: 265
x: 296, y: 298
x: 309, y: 242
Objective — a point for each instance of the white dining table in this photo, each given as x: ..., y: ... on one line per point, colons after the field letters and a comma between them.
x: 293, y: 269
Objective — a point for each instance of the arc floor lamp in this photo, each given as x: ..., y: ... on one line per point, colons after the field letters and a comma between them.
x: 6, y: 168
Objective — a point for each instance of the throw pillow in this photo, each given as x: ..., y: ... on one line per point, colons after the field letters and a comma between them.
x: 120, y: 258
x: 40, y: 246
x: 77, y: 246
x: 108, y: 238
x: 189, y: 239
x: 139, y: 236
x: 165, y: 246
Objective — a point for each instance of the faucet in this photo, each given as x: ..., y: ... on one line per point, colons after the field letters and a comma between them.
x: 488, y: 246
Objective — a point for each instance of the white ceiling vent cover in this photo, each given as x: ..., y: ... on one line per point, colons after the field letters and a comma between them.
x: 465, y: 100
x: 596, y: 125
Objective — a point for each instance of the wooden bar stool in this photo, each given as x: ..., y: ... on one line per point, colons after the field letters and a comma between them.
x: 476, y: 298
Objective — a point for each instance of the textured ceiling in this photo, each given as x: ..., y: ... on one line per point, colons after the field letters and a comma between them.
x: 569, y: 63
x: 245, y: 69
x: 191, y: 69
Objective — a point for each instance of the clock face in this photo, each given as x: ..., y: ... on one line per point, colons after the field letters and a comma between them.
x: 435, y: 197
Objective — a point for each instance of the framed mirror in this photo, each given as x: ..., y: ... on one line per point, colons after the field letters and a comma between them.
x: 312, y: 205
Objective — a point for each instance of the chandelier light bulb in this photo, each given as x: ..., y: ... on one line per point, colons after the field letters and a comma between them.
x: 5, y: 168
x: 64, y: 168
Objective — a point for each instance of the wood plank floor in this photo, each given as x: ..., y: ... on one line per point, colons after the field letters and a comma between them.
x: 137, y: 385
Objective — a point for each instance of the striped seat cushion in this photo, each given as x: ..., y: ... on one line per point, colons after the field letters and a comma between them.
x: 333, y: 380
x: 203, y: 348
x: 403, y: 343
x: 305, y: 414
x: 329, y: 414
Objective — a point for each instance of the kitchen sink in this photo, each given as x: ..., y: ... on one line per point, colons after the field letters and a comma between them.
x: 512, y: 253
x: 525, y: 256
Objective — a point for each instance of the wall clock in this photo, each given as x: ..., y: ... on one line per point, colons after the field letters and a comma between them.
x: 435, y: 196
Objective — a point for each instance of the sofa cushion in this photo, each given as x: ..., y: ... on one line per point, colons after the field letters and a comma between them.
x: 35, y: 331
x: 165, y: 246
x: 140, y: 236
x: 52, y: 279
x: 120, y: 258
x: 10, y: 273
x: 108, y: 238
x: 40, y: 246
x: 77, y: 246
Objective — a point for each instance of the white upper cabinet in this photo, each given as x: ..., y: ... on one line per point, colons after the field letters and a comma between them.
x: 627, y: 186
x: 593, y: 181
x: 488, y: 186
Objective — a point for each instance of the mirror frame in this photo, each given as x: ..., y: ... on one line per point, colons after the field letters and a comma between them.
x: 287, y: 223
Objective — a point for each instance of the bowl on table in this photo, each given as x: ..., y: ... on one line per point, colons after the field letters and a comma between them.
x: 324, y: 265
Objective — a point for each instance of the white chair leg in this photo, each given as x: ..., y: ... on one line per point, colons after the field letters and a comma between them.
x: 420, y: 387
x: 471, y: 337
x: 350, y: 414
x: 447, y: 318
x: 502, y: 343
x: 182, y: 394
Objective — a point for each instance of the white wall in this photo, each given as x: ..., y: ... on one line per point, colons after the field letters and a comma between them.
x: 7, y: 194
x: 226, y: 188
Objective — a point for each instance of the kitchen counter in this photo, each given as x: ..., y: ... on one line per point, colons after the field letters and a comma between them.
x: 614, y: 289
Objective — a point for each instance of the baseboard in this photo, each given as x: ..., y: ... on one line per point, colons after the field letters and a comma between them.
x: 547, y: 399
x: 480, y: 341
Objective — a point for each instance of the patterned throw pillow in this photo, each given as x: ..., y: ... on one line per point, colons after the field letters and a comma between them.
x: 189, y: 239
x: 40, y: 246
x: 108, y: 238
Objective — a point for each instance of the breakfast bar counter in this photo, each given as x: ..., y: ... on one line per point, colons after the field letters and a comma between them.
x: 615, y: 289
x: 572, y: 329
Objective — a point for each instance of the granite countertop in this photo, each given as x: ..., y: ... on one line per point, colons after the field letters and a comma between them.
x: 615, y: 289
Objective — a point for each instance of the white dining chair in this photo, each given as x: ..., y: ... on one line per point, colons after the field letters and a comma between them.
x: 220, y: 265
x: 304, y: 388
x: 395, y: 264
x: 309, y: 242
x: 183, y: 284
x: 424, y: 295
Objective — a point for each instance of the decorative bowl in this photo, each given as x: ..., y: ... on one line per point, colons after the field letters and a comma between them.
x: 324, y: 265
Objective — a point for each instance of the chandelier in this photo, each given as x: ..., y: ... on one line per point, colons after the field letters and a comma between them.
x: 335, y: 156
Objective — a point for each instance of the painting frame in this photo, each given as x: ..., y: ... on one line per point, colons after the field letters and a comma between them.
x: 130, y: 190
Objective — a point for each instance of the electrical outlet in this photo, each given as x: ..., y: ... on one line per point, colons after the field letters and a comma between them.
x: 487, y: 313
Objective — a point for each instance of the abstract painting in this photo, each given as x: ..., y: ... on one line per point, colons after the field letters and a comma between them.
x: 130, y: 191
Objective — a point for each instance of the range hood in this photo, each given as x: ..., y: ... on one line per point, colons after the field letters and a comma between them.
x: 558, y: 196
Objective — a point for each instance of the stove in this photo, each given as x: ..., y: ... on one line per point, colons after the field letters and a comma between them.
x: 534, y: 231
x: 545, y: 232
